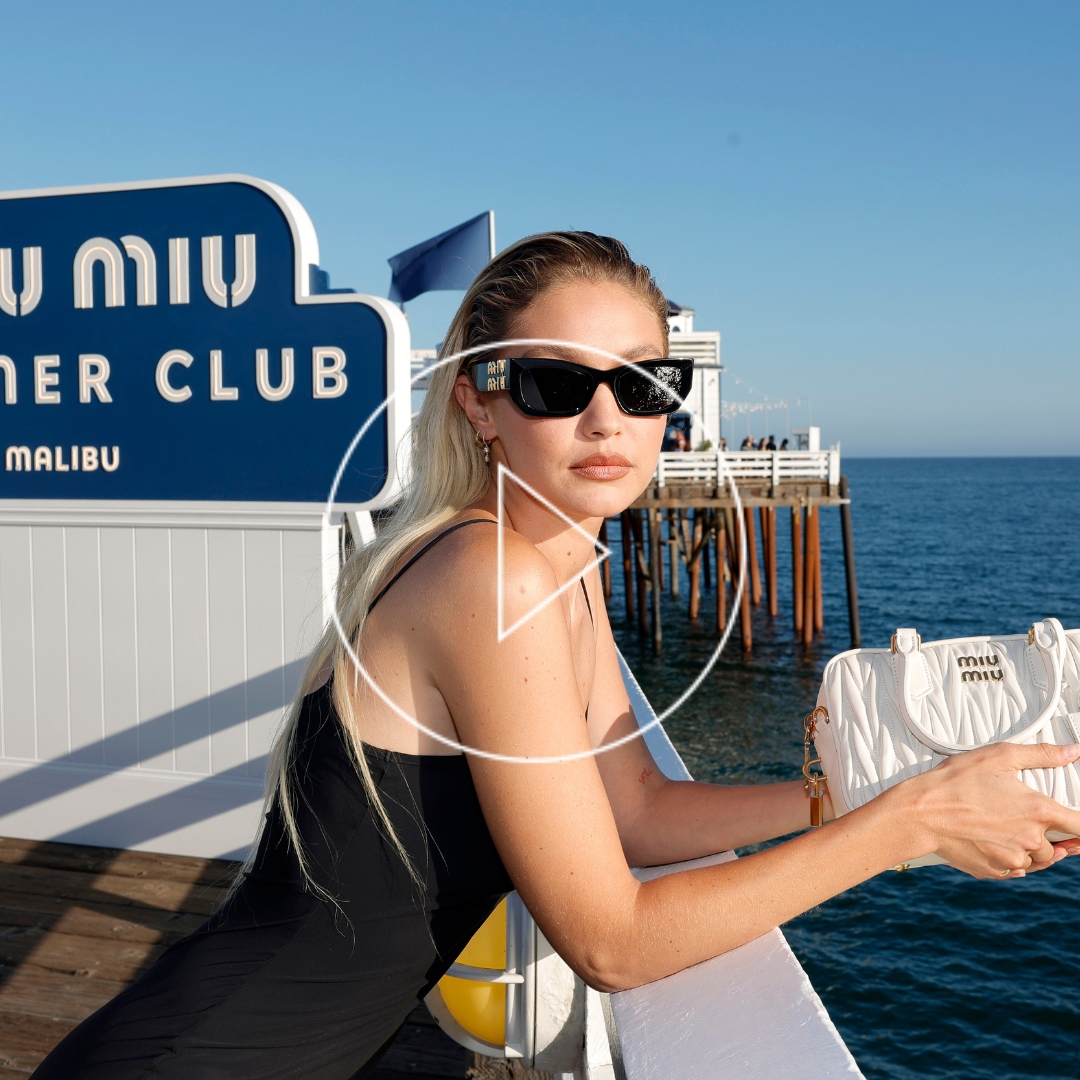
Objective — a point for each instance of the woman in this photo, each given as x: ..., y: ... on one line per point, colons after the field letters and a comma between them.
x: 385, y: 847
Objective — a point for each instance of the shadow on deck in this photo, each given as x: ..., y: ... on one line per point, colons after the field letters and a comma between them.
x: 77, y: 924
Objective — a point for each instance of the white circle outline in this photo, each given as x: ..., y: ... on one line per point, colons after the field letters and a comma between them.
x: 516, y: 759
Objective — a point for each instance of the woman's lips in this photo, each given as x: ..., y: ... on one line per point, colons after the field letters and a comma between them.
x: 602, y: 467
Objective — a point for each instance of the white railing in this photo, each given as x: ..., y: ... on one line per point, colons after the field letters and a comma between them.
x: 768, y: 466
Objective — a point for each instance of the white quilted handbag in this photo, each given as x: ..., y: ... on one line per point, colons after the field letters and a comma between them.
x: 886, y: 714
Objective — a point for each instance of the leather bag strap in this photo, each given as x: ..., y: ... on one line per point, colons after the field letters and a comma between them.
x: 914, y: 682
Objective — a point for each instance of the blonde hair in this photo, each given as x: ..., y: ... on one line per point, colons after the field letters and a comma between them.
x: 448, y: 473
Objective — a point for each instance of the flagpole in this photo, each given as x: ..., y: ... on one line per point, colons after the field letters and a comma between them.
x: 491, y: 233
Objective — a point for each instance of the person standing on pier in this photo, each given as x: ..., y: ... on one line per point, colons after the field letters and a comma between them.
x: 408, y: 795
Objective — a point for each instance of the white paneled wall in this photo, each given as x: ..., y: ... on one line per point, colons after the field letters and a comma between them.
x: 144, y: 662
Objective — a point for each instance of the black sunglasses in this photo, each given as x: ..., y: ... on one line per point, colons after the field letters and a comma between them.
x: 543, y: 387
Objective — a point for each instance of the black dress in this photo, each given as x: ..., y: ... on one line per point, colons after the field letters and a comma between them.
x: 283, y: 982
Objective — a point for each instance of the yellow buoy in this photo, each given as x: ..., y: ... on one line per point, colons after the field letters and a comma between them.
x: 480, y: 1007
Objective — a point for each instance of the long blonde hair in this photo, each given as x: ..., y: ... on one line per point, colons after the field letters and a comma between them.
x: 448, y: 473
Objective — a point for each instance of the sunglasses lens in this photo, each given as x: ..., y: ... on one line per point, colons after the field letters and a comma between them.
x: 555, y: 390
x: 640, y: 394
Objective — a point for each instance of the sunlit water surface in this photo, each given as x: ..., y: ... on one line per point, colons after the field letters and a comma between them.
x: 928, y: 973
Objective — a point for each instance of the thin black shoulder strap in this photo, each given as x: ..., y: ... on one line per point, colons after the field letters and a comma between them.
x: 588, y: 603
x: 423, y: 551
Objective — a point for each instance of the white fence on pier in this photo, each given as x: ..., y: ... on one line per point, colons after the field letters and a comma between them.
x: 701, y: 468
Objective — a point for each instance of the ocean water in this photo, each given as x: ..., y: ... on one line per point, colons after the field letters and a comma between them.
x: 927, y: 974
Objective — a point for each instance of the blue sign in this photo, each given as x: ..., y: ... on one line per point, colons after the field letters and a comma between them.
x: 176, y: 340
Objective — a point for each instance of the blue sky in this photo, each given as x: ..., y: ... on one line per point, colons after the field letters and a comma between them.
x: 876, y: 204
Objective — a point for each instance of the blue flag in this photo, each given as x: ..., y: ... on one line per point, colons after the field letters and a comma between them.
x: 448, y: 261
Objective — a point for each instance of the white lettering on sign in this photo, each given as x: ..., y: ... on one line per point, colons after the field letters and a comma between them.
x: 244, y: 282
x: 17, y: 459
x: 32, y: 282
x: 262, y: 375
x: 8, y: 303
x: 161, y: 376
x: 93, y: 375
x: 213, y: 277
x: 328, y: 378
x: 142, y: 254
x: 218, y: 390
x: 44, y: 378
x: 98, y: 249
x: 7, y: 366
x: 213, y: 281
x: 46, y: 459
x: 179, y: 274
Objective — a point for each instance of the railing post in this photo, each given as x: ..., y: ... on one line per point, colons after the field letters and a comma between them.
x: 775, y: 471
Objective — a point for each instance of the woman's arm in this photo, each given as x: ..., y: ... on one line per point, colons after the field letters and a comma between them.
x: 556, y: 832
x: 665, y: 821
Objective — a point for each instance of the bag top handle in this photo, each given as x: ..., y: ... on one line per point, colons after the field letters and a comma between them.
x: 914, y: 681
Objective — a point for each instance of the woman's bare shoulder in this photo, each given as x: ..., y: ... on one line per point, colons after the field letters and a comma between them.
x: 471, y: 568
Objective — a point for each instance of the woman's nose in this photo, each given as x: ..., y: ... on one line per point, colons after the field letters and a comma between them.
x: 603, y: 417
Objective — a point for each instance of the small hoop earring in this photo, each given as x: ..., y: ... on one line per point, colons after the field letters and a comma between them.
x: 485, y: 445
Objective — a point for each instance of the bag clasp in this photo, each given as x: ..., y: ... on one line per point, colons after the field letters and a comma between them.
x: 813, y: 781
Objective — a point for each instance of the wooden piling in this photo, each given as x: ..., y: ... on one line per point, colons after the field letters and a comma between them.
x: 694, y: 567
x: 797, y: 567
x: 768, y: 545
x: 641, y: 573
x: 721, y: 565
x: 809, y: 575
x: 753, y: 577
x: 849, y: 566
x: 656, y: 566
x: 819, y: 600
x: 706, y: 557
x: 702, y: 521
x: 674, y: 525
x: 738, y: 533
x: 605, y: 567
x: 628, y: 565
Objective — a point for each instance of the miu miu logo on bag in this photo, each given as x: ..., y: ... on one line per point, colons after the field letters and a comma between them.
x: 979, y: 662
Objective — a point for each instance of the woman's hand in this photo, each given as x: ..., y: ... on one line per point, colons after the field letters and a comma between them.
x: 981, y: 818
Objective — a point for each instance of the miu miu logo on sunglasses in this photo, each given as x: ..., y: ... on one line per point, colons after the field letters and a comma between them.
x: 977, y: 662
x: 496, y: 372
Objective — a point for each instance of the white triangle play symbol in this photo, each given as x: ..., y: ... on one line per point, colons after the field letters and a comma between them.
x: 603, y: 552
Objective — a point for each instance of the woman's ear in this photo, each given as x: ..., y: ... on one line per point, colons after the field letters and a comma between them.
x: 474, y: 406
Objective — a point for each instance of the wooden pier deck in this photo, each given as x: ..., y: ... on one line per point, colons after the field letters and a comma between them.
x: 77, y: 924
